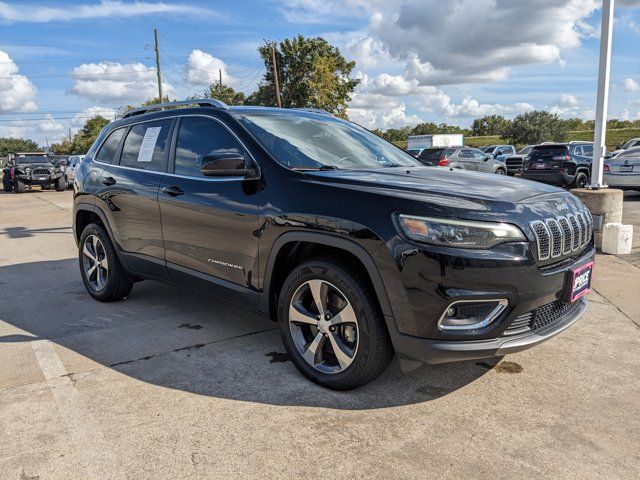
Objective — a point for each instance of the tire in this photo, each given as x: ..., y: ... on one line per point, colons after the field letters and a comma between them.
x: 20, y: 187
x: 500, y: 171
x: 61, y: 184
x: 581, y: 180
x: 366, y: 347
x: 8, y: 187
x: 115, y: 284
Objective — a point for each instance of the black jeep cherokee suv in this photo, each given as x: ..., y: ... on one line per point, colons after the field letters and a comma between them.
x: 561, y: 164
x: 351, y: 245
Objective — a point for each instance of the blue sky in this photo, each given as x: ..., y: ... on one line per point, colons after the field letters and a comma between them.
x: 419, y: 60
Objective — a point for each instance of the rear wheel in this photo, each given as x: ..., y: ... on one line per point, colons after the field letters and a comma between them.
x: 102, y: 273
x: 20, y: 187
x: 331, y: 325
x: 581, y: 180
x: 7, y: 186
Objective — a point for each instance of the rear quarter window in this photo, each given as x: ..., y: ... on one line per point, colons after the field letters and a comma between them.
x: 109, y: 148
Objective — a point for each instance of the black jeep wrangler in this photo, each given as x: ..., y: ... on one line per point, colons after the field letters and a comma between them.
x: 23, y: 171
x: 355, y: 248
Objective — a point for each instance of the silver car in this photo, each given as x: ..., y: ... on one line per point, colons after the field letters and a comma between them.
x: 466, y: 158
x: 623, y: 170
x: 70, y: 170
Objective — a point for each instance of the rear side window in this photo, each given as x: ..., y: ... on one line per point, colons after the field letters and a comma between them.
x: 199, y: 137
x: 587, y: 150
x: 109, y: 148
x: 466, y: 154
x: 145, y: 145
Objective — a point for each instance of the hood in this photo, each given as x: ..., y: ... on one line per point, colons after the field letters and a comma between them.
x: 475, y: 190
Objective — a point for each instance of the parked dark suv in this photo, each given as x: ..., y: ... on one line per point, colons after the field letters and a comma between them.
x: 561, y: 164
x: 354, y: 247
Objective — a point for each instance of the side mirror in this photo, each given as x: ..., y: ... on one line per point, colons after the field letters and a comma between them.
x: 488, y: 157
x: 230, y: 164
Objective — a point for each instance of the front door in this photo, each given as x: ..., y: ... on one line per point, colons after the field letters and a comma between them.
x: 209, y: 224
x: 129, y: 195
x: 468, y: 160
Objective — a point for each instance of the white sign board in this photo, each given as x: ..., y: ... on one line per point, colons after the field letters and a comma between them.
x: 148, y: 144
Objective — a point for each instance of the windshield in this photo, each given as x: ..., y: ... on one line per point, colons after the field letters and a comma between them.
x: 488, y: 149
x: 414, y: 151
x: 525, y: 150
x: 629, y: 144
x: 34, y: 159
x: 311, y: 141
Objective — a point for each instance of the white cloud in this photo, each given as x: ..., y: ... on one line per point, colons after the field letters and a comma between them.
x: 204, y: 69
x: 82, y: 116
x: 568, y: 100
x: 569, y: 106
x: 17, y: 91
x: 631, y: 85
x: 106, y: 8
x: 108, y: 82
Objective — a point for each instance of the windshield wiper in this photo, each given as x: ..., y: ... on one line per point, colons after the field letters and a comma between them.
x: 316, y: 169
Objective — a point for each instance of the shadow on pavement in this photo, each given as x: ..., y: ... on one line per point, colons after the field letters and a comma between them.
x: 180, y: 339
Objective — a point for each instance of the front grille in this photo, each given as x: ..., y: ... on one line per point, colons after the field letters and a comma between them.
x: 559, y: 236
x: 514, y: 164
x: 543, y: 318
x: 40, y: 171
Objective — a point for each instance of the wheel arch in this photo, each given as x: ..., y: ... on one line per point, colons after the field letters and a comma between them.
x: 86, y: 214
x: 292, y: 240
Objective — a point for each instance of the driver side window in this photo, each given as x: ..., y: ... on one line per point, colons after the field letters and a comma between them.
x: 199, y: 137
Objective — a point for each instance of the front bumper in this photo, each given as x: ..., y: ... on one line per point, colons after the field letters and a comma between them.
x: 443, y: 351
x: 423, y: 281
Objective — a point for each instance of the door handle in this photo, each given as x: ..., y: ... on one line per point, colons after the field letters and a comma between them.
x: 173, y: 190
x: 108, y: 181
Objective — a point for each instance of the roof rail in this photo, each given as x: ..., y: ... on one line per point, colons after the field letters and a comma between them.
x: 314, y: 110
x: 206, y: 102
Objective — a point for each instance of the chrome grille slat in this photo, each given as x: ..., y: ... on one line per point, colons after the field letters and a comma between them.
x: 562, y: 235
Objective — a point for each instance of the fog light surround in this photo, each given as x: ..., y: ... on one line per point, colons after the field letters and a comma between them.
x: 464, y: 315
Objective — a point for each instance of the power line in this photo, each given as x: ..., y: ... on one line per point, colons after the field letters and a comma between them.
x: 73, y: 75
x: 79, y: 60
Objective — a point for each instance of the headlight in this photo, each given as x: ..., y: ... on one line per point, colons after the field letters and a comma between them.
x: 459, y: 233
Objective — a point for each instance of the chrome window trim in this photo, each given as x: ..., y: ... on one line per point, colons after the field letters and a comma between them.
x: 502, y: 304
x: 191, y: 177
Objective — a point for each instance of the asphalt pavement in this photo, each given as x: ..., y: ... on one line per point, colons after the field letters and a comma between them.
x: 172, y: 384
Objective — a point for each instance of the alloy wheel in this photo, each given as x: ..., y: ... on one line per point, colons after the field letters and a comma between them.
x: 323, y: 326
x: 95, y: 263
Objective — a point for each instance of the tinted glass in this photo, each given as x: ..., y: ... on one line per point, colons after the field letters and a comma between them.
x: 479, y: 155
x: 436, y: 153
x: 309, y: 141
x: 109, y: 148
x: 145, y: 145
x: 488, y: 149
x: 587, y: 150
x: 199, y: 137
x: 466, y: 154
x: 525, y: 150
x: 34, y: 159
x: 549, y: 151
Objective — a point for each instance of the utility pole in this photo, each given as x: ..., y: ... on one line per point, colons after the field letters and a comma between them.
x: 69, y: 133
x: 275, y: 75
x: 155, y: 36
x: 220, y: 75
x: 602, y: 102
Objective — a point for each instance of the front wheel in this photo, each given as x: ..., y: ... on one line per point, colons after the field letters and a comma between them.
x: 581, y: 180
x: 61, y: 184
x: 500, y: 172
x: 102, y: 273
x: 8, y: 187
x: 331, y: 325
x: 20, y: 187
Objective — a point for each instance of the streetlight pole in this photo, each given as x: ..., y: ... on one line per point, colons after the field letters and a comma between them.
x: 602, y: 102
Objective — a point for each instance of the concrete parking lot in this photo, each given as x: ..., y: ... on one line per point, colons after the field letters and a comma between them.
x: 174, y: 384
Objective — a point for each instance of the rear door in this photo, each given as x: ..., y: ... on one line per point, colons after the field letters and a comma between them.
x: 468, y: 159
x: 209, y: 223
x: 129, y: 195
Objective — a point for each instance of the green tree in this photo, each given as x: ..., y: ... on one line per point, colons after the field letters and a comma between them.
x: 424, y: 129
x: 224, y: 93
x: 489, y: 125
x: 311, y: 73
x: 10, y: 145
x: 81, y: 141
x: 536, y: 127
